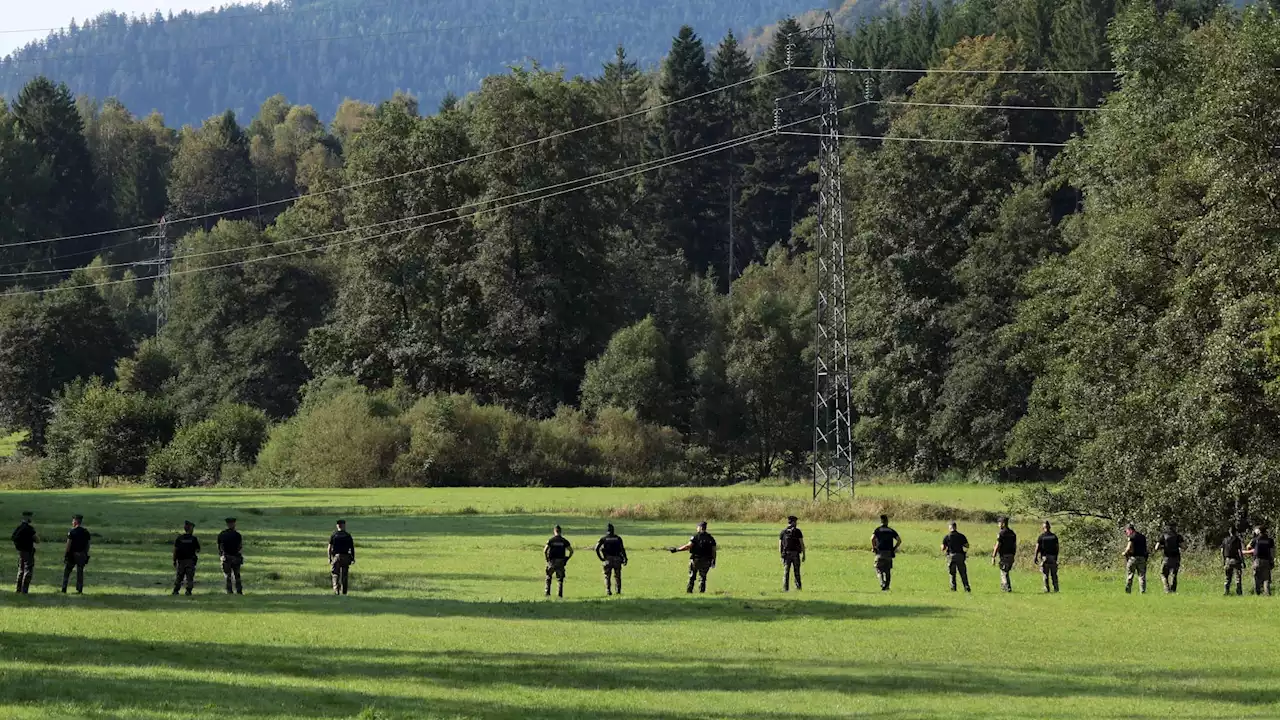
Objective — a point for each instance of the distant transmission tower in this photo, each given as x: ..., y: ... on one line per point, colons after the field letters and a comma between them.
x: 162, y: 263
x: 832, y: 395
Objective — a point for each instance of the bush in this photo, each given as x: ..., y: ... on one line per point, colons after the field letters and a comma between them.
x: 97, y: 430
x: 635, y: 453
x: 343, y: 436
x: 232, y: 435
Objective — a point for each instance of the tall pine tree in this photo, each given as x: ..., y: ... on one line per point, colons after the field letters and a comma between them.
x: 729, y: 66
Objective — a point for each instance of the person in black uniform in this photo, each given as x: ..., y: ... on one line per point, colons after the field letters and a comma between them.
x: 230, y: 546
x: 956, y: 546
x: 342, y: 555
x: 1047, y: 556
x: 885, y: 543
x: 1135, y: 554
x: 557, y: 552
x: 1006, y: 550
x: 1263, y: 549
x: 613, y: 555
x: 702, y: 556
x: 1171, y: 543
x: 186, y: 552
x: 791, y: 546
x: 1233, y: 561
x: 76, y: 554
x: 25, y: 540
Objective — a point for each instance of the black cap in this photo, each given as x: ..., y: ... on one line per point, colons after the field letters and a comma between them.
x: 342, y: 522
x: 792, y: 518
x: 1129, y: 526
x: 27, y: 513
x: 77, y: 517
x: 230, y: 520
x: 702, y: 524
x: 610, y: 527
x: 188, y: 523
x: 557, y: 528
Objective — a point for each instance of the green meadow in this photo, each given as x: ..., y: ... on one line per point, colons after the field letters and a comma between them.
x: 446, y: 618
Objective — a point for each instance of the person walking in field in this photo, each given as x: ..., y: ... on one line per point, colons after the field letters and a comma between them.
x: 186, y: 553
x: 1006, y: 551
x: 702, y: 556
x: 1171, y: 544
x: 956, y: 547
x: 885, y: 543
x: 25, y: 540
x: 1047, y: 556
x: 76, y: 554
x: 613, y: 555
x: 791, y: 546
x: 557, y: 553
x: 1135, y: 555
x: 342, y: 555
x: 230, y: 554
x: 1233, y: 561
x: 1263, y: 549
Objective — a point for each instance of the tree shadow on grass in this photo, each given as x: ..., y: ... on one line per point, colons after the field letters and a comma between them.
x: 623, y: 610
x: 464, y: 670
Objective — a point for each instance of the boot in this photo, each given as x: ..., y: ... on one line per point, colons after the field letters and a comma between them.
x: 560, y: 590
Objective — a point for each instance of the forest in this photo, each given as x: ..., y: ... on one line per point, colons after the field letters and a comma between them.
x: 551, y: 281
x: 189, y: 66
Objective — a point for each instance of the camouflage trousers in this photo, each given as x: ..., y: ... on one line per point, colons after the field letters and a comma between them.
x: 76, y: 562
x: 26, y: 570
x: 698, y: 569
x: 1169, y: 572
x: 956, y: 564
x: 340, y: 570
x: 790, y: 566
x: 1049, y: 569
x: 556, y: 566
x: 1262, y: 576
x: 884, y: 569
x: 1006, y: 567
x: 1233, y: 567
x: 1135, y: 567
x: 231, y: 573
x: 184, y: 572
x: 612, y: 566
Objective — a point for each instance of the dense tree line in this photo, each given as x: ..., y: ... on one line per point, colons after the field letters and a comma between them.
x: 319, y: 52
x: 1099, y: 307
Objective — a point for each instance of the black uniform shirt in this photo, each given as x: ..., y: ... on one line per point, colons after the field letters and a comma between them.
x: 557, y: 547
x: 955, y: 542
x: 1264, y: 548
x: 79, y: 538
x: 610, y: 546
x: 1047, y: 544
x: 1171, y: 543
x: 791, y: 537
x: 1007, y: 542
x: 229, y: 542
x: 186, y: 547
x: 24, y: 538
x: 702, y: 545
x: 883, y: 538
x: 1231, y: 547
x: 341, y: 543
x: 1138, y: 545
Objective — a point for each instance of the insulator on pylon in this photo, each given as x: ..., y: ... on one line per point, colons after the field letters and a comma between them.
x: 866, y: 88
x: 777, y: 116
x: 791, y: 54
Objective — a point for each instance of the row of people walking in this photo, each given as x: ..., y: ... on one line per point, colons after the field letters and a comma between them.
x: 610, y: 550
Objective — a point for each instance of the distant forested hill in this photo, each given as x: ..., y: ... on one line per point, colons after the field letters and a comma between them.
x: 318, y: 52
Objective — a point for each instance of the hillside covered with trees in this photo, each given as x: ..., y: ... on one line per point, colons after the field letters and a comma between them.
x: 1066, y: 275
x: 320, y: 52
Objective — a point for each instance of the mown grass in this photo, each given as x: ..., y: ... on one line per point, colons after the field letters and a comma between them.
x: 446, y: 620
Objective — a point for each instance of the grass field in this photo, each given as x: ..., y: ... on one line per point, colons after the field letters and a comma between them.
x: 446, y: 619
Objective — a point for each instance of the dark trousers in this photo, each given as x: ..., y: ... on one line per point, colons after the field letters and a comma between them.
x: 1169, y: 572
x: 340, y: 569
x: 1233, y: 568
x: 1262, y: 577
x: 26, y: 569
x: 184, y: 573
x: 612, y: 571
x: 790, y: 566
x: 74, y: 562
x: 884, y: 570
x: 231, y: 572
x: 698, y: 568
x: 1049, y: 569
x: 956, y: 565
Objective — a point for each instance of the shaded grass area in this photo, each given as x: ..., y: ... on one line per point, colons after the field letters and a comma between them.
x: 446, y: 620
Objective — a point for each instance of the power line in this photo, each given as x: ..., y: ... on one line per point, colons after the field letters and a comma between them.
x: 408, y: 173
x: 577, y: 185
x: 959, y: 71
x: 970, y: 106
x: 933, y: 140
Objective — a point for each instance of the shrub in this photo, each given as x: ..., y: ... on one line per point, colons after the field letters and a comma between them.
x: 98, y: 429
x: 633, y: 452
x: 232, y: 435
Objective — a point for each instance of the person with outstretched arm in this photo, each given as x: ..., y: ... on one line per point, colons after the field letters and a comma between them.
x: 702, y: 556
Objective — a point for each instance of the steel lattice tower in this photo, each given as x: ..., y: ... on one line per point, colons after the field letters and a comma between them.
x: 832, y: 398
x: 162, y: 263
